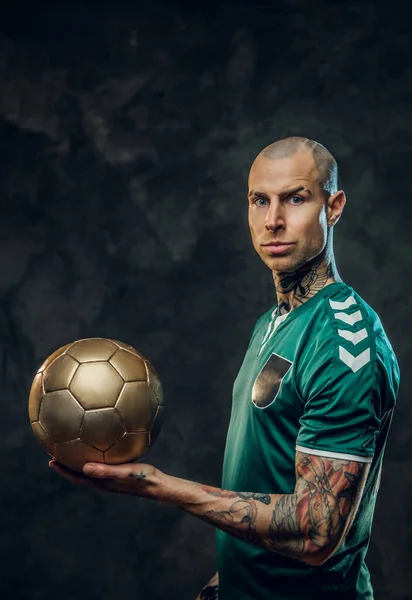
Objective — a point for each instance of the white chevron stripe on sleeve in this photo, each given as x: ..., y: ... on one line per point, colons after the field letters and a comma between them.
x: 353, y: 336
x: 342, y: 305
x: 355, y: 362
x: 349, y: 319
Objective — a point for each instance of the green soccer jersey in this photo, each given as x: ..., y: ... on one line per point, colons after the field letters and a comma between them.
x: 322, y: 379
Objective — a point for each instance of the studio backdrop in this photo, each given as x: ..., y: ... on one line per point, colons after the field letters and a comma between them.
x: 126, y: 135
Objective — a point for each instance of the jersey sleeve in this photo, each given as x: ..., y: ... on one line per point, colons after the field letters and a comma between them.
x: 340, y: 385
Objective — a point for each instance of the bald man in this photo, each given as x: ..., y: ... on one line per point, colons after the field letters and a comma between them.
x: 312, y: 407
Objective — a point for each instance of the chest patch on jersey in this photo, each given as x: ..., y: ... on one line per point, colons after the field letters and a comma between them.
x: 267, y: 384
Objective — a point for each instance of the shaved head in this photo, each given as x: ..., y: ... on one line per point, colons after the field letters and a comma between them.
x: 324, y: 161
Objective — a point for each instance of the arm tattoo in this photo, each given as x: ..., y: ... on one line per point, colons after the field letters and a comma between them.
x: 284, y: 531
x: 265, y: 498
x: 315, y: 517
x: 239, y: 520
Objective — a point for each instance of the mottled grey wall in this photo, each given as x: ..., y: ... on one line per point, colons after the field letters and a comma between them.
x: 126, y: 136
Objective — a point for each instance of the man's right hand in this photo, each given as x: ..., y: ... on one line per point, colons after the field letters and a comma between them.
x: 211, y: 589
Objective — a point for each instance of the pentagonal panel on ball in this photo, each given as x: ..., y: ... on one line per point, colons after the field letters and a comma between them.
x: 60, y: 373
x: 154, y: 382
x: 101, y: 428
x: 43, y: 438
x: 36, y: 394
x: 52, y: 357
x: 92, y: 349
x: 130, y: 366
x: 136, y: 406
x: 60, y: 415
x: 96, y: 385
x: 76, y: 454
x: 130, y: 447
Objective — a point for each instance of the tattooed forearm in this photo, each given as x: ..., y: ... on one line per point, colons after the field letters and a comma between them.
x: 239, y: 520
x: 241, y: 516
x: 305, y: 525
x: 284, y: 531
x: 265, y: 498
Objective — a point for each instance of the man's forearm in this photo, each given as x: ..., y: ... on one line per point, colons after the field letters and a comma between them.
x: 307, y: 525
x: 265, y: 519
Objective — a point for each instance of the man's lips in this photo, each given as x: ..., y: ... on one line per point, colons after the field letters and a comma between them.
x: 278, y: 244
x: 278, y: 247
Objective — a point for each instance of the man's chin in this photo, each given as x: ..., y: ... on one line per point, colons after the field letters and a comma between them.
x: 282, y: 264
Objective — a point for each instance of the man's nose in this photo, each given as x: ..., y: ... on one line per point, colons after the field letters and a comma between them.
x: 275, y: 217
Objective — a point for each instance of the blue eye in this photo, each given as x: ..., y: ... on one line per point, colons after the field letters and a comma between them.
x: 300, y: 200
x: 258, y: 200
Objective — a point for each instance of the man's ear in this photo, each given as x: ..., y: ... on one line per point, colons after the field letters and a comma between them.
x: 335, y: 204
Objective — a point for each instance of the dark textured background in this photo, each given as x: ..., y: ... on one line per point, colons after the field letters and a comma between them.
x: 126, y: 137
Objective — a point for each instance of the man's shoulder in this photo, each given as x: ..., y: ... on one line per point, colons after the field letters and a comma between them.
x: 341, y: 306
x: 349, y: 330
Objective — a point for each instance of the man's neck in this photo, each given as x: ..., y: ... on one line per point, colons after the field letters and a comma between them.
x: 293, y: 289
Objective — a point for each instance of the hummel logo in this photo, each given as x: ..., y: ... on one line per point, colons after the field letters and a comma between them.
x: 355, y: 362
x: 349, y: 319
x: 354, y: 337
x: 342, y: 305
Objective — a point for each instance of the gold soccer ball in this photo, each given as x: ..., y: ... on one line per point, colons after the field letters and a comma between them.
x: 96, y: 400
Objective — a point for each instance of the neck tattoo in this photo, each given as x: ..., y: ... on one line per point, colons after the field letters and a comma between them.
x: 293, y: 289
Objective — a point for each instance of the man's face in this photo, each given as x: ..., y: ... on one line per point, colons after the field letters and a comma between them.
x: 286, y: 206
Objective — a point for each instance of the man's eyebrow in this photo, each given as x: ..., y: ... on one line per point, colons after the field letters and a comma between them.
x: 283, y: 194
x: 256, y: 193
x: 291, y: 192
